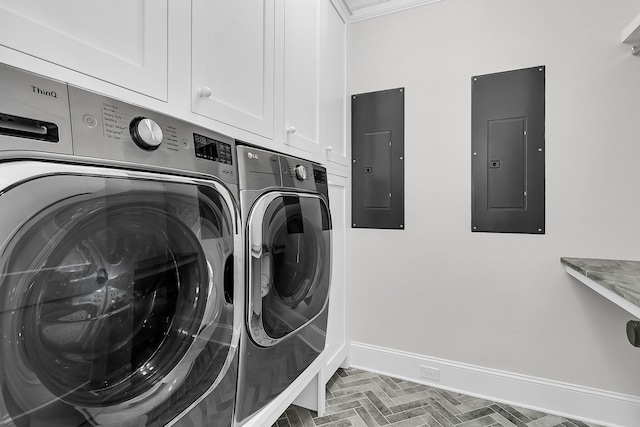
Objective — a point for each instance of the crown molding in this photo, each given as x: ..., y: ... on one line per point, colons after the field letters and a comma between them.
x: 361, y: 10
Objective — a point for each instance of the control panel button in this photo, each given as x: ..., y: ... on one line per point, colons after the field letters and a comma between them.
x: 89, y: 121
x: 146, y: 133
x: 301, y: 172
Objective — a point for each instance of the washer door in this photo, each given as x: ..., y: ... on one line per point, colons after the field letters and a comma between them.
x: 289, y: 264
x: 112, y: 289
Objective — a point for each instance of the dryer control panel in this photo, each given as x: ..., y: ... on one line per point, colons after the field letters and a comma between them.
x: 259, y: 169
x: 297, y: 173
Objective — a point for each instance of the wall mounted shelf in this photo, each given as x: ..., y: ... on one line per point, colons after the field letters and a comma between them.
x: 616, y: 280
x: 631, y: 35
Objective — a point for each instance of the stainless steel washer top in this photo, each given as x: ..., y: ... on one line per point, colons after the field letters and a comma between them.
x: 119, y: 243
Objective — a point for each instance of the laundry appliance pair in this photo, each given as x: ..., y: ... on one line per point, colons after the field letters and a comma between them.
x: 143, y: 280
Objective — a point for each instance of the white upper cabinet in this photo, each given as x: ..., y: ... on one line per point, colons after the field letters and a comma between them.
x: 274, y: 70
x: 333, y: 93
x: 301, y: 56
x: 233, y: 63
x: 123, y: 42
x: 314, y: 79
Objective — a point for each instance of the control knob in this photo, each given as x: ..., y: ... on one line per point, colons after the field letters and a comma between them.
x: 300, y: 172
x: 145, y: 133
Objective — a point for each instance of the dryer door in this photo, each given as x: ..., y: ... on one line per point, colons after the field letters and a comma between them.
x: 289, y: 264
x: 112, y: 294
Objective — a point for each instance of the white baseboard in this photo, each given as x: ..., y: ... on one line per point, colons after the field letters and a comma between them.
x: 567, y: 400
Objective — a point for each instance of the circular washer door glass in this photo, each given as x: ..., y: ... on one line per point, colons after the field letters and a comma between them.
x: 107, y: 286
x: 114, y: 303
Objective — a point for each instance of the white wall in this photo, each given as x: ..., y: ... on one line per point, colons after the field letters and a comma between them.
x: 503, y: 301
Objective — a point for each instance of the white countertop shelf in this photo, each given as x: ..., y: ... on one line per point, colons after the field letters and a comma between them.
x: 631, y: 34
x: 616, y: 280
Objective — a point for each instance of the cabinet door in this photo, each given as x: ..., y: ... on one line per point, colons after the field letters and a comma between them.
x: 123, y: 42
x: 232, y: 63
x: 333, y: 86
x: 302, y: 74
x: 337, y: 328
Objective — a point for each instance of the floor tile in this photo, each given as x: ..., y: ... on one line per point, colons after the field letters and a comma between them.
x: 359, y: 422
x: 375, y: 399
x: 293, y: 417
x: 408, y: 405
x: 374, y: 412
x: 416, y: 413
x: 367, y: 418
x: 437, y: 397
x: 546, y: 421
x: 332, y: 418
x: 359, y: 376
x: 410, y: 398
x: 357, y: 398
x: 343, y: 399
x: 305, y: 415
x: 385, y: 387
x: 502, y: 420
x: 343, y: 407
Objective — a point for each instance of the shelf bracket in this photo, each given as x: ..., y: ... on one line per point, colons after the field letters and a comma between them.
x: 635, y: 50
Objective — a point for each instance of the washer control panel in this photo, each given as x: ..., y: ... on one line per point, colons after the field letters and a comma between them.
x: 39, y: 114
x: 110, y: 129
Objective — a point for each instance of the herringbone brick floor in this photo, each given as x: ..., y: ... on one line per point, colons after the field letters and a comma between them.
x: 364, y: 399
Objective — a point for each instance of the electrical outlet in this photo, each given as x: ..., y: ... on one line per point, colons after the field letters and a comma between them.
x: 429, y: 373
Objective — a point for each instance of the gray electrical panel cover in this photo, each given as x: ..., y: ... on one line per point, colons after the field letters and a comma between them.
x: 508, y: 144
x: 378, y: 159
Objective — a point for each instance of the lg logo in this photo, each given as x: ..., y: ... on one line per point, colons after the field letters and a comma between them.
x: 252, y: 156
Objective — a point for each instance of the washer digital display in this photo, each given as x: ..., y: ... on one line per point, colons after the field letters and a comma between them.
x: 212, y: 149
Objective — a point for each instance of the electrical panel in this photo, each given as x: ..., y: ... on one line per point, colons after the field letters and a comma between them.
x: 507, y: 152
x: 378, y: 159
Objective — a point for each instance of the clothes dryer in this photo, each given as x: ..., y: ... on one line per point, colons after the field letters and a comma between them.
x: 118, y: 262
x: 287, y: 224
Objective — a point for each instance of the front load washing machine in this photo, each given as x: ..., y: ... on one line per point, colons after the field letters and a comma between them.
x: 287, y: 224
x: 118, y: 262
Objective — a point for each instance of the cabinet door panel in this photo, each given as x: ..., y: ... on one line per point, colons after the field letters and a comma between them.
x: 337, y: 330
x: 233, y: 56
x: 301, y: 74
x: 333, y: 88
x: 123, y: 42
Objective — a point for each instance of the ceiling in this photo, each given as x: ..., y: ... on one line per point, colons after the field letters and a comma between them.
x: 359, y: 10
